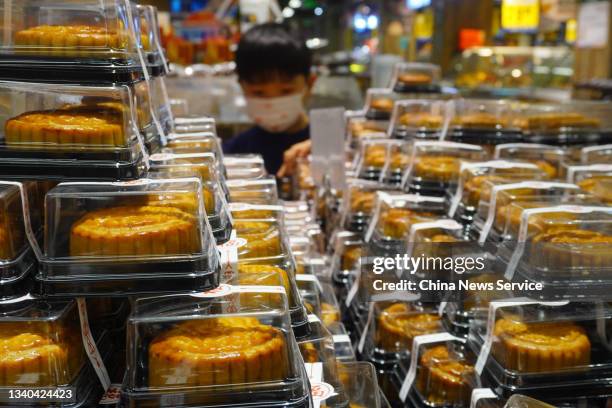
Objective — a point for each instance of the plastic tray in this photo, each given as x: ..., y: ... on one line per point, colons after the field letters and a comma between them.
x: 417, y: 78
x: 416, y: 119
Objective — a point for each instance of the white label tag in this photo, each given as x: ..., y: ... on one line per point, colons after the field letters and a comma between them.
x: 353, y: 290
x: 341, y: 338
x: 313, y: 318
x: 320, y: 389
x: 229, y: 256
x: 90, y: 346
x: 480, y: 394
x: 309, y: 278
x: 414, y: 354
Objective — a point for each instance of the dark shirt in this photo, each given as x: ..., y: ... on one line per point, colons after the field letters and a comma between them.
x: 271, y: 146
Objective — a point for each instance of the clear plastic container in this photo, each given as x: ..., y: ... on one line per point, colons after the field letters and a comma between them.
x: 546, y: 157
x: 258, y: 212
x: 149, y: 235
x: 261, y: 191
x: 566, y: 248
x: 246, y: 167
x: 392, y: 327
x: 483, y: 122
x: 416, y: 119
x: 168, y: 165
x: 42, y: 347
x: 601, y: 154
x: 497, y: 197
x: 201, y: 142
x: 343, y: 348
x: 243, y: 351
x: 358, y: 203
x: 149, y: 29
x: 361, y: 385
x: 77, y: 41
x: 575, y: 123
x: 441, y: 373
x: 594, y: 179
x: 379, y: 103
x: 160, y: 105
x: 521, y: 401
x: 414, y: 77
x: 434, y: 166
x: 70, y: 131
x: 361, y: 128
x: 464, y: 201
x: 546, y: 349
x: 17, y: 263
x: 395, y: 213
x: 382, y: 160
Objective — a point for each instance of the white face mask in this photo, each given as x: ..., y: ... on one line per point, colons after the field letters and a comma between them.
x: 275, y: 114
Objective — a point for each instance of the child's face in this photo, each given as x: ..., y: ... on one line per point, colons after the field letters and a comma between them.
x: 276, y: 103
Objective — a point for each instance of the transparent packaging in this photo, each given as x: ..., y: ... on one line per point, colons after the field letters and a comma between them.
x: 483, y: 122
x: 149, y: 29
x: 395, y: 213
x: 572, y: 123
x: 360, y: 128
x: 547, y: 349
x: 411, y: 77
x: 343, y: 347
x: 601, y: 154
x: 382, y: 160
x: 262, y: 191
x: 72, y: 40
x: 243, y: 351
x: 546, y: 157
x: 303, y: 184
x: 358, y: 203
x: 416, y: 119
x: 464, y: 201
x: 70, y: 131
x: 594, y: 179
x: 566, y: 248
x: 442, y: 374
x: 149, y: 235
x: 246, y: 167
x: 42, y: 347
x: 360, y: 384
x: 495, y: 209
x: 203, y: 165
x: 379, y: 103
x: 159, y: 101
x: 17, y: 262
x: 393, y: 327
x: 201, y: 142
x: 521, y: 401
x: 434, y: 166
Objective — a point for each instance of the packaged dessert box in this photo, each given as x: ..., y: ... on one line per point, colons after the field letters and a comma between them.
x: 358, y: 203
x: 394, y: 214
x: 382, y: 160
x: 419, y: 119
x: 575, y: 123
x: 379, y: 103
x: 546, y: 157
x: 70, y: 131
x: 149, y: 28
x: 262, y: 212
x: 550, y: 349
x: 521, y: 401
x: 417, y: 78
x: 246, y: 167
x: 439, y: 372
x: 483, y: 122
x: 360, y: 128
x: 199, y: 142
x: 243, y: 351
x: 564, y: 247
x: 593, y: 179
x: 261, y: 191
x: 497, y: 197
x: 160, y: 104
x: 168, y: 165
x: 598, y: 154
x: 72, y: 41
x: 391, y: 328
x: 434, y: 166
x: 42, y: 347
x: 149, y: 235
x: 179, y: 107
x: 17, y: 260
x: 464, y: 201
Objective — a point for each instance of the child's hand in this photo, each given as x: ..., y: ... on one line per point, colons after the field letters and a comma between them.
x: 291, y: 156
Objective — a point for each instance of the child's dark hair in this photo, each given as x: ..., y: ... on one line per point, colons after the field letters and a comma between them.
x: 270, y: 50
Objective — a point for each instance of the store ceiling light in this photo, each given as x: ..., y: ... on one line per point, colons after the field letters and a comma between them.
x: 372, y: 22
x: 295, y: 3
x: 318, y: 11
x: 288, y: 12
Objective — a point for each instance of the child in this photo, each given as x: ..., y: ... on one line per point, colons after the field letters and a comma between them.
x: 273, y: 68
